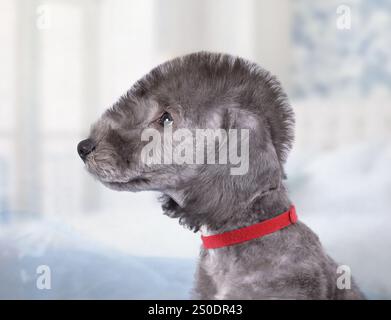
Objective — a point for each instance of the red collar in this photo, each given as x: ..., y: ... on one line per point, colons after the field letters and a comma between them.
x: 257, y: 230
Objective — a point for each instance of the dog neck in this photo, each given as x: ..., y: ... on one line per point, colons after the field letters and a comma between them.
x: 264, y: 206
x: 218, y: 206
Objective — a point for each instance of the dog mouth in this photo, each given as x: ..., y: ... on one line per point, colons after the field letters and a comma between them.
x: 132, y: 180
x: 110, y: 176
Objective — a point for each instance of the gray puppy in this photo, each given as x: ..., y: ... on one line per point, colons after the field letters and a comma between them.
x: 218, y: 91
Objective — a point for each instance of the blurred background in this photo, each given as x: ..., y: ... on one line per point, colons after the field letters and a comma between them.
x: 63, y: 62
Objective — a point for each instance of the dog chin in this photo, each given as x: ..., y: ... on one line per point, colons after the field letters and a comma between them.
x: 135, y: 184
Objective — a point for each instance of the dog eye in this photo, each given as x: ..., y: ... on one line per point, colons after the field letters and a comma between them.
x: 166, y: 118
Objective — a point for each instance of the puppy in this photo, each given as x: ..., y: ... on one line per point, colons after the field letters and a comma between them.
x: 282, y: 258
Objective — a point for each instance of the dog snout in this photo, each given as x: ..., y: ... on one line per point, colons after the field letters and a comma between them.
x: 85, y: 147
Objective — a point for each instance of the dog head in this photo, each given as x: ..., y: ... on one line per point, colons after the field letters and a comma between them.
x: 150, y: 138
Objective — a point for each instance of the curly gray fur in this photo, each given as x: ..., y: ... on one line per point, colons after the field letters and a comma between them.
x: 210, y: 90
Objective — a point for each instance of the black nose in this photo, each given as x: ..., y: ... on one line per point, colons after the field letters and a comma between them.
x: 85, y: 147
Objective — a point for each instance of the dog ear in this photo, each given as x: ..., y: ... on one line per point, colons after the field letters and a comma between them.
x: 236, y: 118
x: 274, y: 121
x: 280, y: 120
x: 269, y: 140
